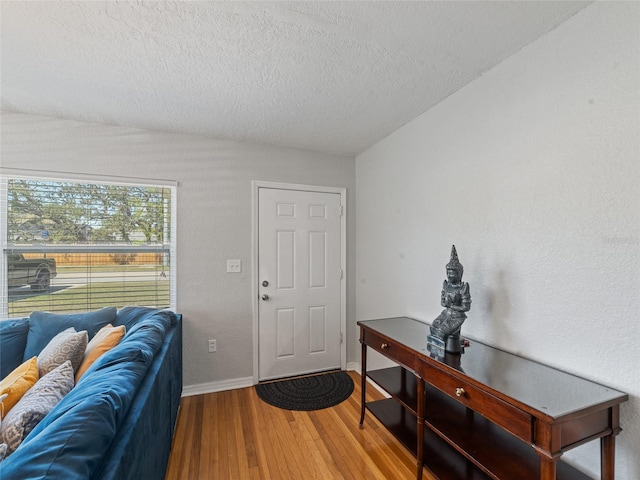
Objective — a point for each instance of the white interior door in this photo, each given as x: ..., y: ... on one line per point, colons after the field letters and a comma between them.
x: 299, y: 275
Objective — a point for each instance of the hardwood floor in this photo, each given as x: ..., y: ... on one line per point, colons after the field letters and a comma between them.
x: 234, y: 435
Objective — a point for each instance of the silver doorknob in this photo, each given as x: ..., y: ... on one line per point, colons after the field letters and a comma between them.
x: 265, y: 297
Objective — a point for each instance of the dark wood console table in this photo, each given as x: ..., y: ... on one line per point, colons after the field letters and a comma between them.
x: 485, y: 414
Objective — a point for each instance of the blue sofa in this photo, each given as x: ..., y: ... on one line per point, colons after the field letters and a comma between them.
x: 117, y: 423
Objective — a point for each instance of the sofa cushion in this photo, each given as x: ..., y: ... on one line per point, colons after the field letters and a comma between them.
x: 34, y: 405
x: 67, y: 345
x: 129, y: 316
x: 43, y: 326
x: 16, y: 384
x: 107, y: 338
x: 13, y: 340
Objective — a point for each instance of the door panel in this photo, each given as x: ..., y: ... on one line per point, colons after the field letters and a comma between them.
x: 285, y: 259
x: 317, y: 329
x: 317, y: 260
x: 299, y: 241
x: 285, y: 329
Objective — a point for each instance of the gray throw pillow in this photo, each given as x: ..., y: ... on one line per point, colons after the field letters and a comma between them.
x: 35, y: 404
x: 67, y: 345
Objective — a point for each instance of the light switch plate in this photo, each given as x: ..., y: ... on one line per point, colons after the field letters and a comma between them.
x: 234, y: 266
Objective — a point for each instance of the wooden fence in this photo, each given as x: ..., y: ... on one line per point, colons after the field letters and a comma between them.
x: 116, y: 258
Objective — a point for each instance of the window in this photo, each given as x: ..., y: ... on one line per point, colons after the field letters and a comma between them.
x: 78, y: 245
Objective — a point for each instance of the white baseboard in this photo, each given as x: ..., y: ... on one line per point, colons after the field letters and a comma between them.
x: 232, y: 384
x: 212, y: 387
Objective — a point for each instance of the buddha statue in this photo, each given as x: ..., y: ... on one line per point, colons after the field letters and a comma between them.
x: 456, y: 298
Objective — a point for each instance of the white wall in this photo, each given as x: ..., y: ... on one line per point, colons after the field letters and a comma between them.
x: 533, y: 172
x: 214, y: 218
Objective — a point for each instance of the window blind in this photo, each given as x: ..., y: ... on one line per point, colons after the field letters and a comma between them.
x: 78, y: 245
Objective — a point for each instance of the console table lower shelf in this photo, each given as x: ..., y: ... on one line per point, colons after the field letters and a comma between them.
x: 459, y: 444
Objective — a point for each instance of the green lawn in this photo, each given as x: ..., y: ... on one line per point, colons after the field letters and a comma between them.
x: 111, y: 268
x: 91, y: 297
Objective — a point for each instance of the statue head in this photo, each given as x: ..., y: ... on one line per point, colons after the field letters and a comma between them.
x: 454, y: 267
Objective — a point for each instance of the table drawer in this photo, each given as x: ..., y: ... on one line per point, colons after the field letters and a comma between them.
x: 489, y: 406
x: 395, y: 351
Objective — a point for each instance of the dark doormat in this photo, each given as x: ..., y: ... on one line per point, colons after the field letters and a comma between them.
x: 311, y: 392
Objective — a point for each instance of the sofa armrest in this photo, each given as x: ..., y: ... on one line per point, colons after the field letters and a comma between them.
x: 143, y: 443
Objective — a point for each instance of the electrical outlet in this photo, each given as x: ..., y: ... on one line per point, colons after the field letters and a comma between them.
x: 212, y: 346
x: 234, y: 266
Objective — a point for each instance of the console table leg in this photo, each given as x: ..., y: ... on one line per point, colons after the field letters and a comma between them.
x: 420, y: 440
x: 547, y: 469
x: 363, y: 384
x: 607, y: 457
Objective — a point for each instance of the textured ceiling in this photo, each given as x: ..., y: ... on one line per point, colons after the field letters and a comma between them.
x: 333, y: 77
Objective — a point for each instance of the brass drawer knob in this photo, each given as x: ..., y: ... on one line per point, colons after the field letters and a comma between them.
x: 460, y: 392
x: 384, y: 346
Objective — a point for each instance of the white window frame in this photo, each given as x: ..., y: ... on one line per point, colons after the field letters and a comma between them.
x: 40, y: 175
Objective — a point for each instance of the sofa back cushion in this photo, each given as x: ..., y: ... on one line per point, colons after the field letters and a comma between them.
x: 13, y: 340
x: 129, y: 316
x: 43, y: 326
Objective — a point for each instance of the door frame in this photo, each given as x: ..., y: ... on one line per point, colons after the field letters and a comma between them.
x: 256, y: 185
